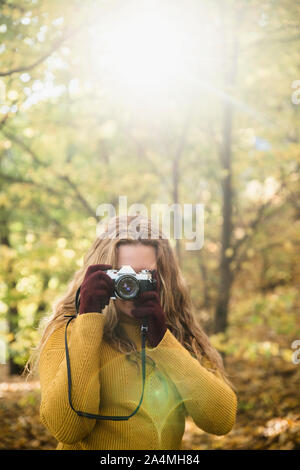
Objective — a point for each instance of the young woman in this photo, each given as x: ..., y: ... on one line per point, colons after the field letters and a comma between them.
x: 184, y: 373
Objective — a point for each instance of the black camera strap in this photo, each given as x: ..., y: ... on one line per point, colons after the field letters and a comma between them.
x: 144, y: 329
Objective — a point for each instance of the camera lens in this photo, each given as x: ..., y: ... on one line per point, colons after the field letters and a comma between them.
x: 127, y: 287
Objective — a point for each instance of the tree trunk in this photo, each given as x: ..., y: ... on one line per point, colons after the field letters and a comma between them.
x: 225, y: 154
x: 176, y: 201
x: 205, y: 287
x: 12, y: 314
x: 176, y: 172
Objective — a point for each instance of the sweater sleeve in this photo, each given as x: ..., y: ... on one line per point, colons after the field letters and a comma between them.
x: 210, y: 402
x: 85, y: 335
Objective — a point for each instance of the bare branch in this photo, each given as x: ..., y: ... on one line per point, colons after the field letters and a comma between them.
x: 3, y: 121
x: 261, y: 215
x: 56, y: 44
x: 79, y: 196
x: 84, y: 203
x: 25, y: 147
x: 63, y: 229
x: 18, y: 179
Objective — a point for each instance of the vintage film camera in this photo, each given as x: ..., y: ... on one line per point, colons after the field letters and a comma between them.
x: 128, y: 284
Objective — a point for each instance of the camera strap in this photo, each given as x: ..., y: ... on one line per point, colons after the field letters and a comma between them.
x: 144, y: 329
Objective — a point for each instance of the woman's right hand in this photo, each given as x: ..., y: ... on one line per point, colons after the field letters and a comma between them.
x: 96, y: 289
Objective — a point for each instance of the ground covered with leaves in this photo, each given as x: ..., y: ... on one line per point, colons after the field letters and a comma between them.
x: 268, y: 411
x: 268, y: 414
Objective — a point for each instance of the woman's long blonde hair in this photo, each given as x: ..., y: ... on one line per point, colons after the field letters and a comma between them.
x: 174, y: 294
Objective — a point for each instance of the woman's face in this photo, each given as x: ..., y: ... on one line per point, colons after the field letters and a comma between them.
x: 138, y: 257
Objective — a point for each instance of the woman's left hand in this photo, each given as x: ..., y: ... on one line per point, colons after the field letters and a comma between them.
x: 148, y: 306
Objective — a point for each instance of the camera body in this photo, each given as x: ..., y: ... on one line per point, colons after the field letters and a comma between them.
x: 129, y: 285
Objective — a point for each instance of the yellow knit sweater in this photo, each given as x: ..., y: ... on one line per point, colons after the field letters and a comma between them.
x: 108, y: 382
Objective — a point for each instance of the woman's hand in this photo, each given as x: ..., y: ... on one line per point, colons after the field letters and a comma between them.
x: 96, y: 289
x: 148, y: 306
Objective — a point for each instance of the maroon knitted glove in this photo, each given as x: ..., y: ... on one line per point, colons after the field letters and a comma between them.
x: 148, y: 306
x: 96, y: 289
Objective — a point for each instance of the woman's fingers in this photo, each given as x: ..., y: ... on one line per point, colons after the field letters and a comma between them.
x: 98, y: 278
x: 97, y: 267
x: 140, y: 313
x: 146, y: 296
x: 96, y: 289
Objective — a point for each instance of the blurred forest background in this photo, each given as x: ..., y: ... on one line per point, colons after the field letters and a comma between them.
x: 164, y: 102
